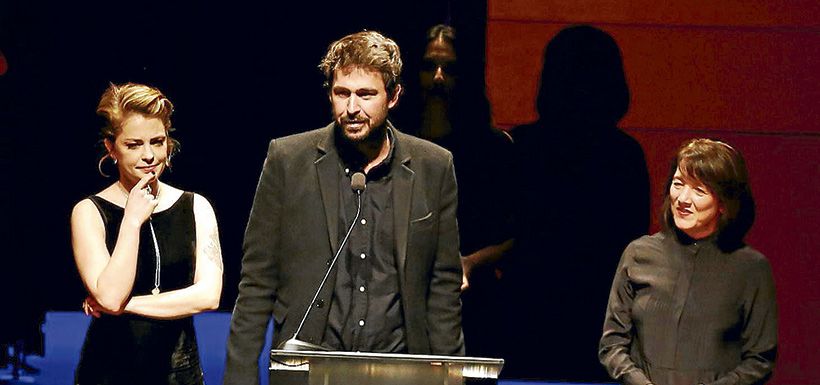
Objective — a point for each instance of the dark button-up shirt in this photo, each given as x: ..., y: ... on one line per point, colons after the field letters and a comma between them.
x: 365, y: 313
x: 683, y: 312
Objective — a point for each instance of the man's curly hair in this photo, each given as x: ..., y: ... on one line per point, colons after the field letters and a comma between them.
x: 368, y: 50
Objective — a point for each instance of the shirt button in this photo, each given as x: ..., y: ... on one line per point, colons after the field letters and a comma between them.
x: 362, y: 256
x: 364, y: 221
x: 361, y: 322
x: 361, y: 289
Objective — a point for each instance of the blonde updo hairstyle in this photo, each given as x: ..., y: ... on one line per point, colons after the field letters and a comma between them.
x: 119, y: 102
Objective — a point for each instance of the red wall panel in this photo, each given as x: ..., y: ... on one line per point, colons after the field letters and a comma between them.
x: 679, y: 78
x: 742, y: 71
x: 744, y: 13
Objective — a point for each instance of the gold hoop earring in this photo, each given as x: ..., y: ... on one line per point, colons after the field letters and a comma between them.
x: 100, y: 164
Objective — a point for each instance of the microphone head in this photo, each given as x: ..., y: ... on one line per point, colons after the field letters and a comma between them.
x: 357, y: 182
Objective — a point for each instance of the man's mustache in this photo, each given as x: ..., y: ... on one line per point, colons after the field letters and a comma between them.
x: 352, y: 121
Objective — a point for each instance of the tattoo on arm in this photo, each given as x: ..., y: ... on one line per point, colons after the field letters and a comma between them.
x: 213, y: 250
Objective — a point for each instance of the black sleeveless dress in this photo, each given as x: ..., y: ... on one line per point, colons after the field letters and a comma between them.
x: 131, y: 349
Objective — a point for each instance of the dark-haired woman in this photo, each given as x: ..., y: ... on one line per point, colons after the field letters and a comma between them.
x: 693, y: 304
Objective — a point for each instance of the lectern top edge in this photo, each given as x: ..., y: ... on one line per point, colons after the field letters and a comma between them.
x: 386, y: 356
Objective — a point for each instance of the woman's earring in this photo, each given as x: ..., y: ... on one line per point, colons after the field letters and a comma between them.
x: 100, y: 164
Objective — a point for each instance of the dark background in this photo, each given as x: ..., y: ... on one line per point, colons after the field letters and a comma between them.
x: 239, y: 74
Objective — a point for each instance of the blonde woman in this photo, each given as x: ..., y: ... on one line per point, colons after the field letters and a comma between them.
x: 147, y: 252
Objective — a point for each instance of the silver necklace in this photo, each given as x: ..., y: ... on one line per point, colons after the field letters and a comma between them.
x: 158, y: 259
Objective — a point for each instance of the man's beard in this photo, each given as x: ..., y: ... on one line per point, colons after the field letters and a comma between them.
x: 375, y: 135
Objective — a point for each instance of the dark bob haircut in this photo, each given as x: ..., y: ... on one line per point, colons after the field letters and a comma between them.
x: 722, y: 169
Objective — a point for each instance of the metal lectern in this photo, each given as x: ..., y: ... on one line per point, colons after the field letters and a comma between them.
x: 353, y: 368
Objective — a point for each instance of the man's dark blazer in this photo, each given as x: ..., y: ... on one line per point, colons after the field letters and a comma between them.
x: 292, y: 235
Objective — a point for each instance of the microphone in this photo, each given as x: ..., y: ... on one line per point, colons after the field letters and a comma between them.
x: 358, y: 184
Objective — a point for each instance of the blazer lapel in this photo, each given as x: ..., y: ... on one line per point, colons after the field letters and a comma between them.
x: 403, y: 177
x: 327, y: 165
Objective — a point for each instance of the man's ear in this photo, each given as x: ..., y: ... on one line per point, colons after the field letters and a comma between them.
x: 395, y: 99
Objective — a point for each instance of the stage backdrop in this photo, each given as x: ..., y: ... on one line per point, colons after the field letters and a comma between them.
x: 740, y: 71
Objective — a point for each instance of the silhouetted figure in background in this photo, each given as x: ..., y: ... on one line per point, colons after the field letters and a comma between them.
x: 582, y: 195
x: 451, y: 109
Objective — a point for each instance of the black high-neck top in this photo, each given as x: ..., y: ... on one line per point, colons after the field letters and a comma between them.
x: 685, y: 312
